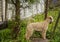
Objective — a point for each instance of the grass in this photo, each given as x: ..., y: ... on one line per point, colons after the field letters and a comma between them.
x: 5, y: 35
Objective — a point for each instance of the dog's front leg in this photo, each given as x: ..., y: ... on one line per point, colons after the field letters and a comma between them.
x: 44, y: 34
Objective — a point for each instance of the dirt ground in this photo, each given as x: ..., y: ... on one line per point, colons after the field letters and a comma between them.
x: 39, y: 40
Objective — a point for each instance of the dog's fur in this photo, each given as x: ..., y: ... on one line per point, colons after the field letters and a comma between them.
x: 38, y: 26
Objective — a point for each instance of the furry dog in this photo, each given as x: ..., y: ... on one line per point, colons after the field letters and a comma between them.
x: 38, y: 26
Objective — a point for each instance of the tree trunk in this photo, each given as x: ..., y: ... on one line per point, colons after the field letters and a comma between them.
x: 13, y: 14
x: 2, y: 10
x: 36, y: 8
x: 56, y: 24
x: 6, y: 10
x: 17, y: 19
x: 46, y: 8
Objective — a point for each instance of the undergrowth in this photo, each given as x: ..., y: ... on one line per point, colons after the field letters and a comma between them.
x: 5, y: 35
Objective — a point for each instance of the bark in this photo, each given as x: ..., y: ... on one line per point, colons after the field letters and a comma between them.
x: 2, y: 10
x: 46, y: 8
x: 17, y: 16
x: 16, y: 28
x: 6, y: 10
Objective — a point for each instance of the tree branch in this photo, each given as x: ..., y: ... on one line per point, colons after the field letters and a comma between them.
x: 13, y: 2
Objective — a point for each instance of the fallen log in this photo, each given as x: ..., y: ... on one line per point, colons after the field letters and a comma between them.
x: 3, y: 25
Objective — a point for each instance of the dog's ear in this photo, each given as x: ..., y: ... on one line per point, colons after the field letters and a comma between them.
x: 50, y: 18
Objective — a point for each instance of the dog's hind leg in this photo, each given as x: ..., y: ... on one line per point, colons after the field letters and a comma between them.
x: 28, y: 34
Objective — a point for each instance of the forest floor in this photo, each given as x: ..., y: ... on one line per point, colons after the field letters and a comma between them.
x: 39, y: 40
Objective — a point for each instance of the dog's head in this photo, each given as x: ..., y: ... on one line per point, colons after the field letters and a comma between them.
x: 50, y: 18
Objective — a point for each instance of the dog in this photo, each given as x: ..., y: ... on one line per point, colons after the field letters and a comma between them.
x: 38, y: 26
